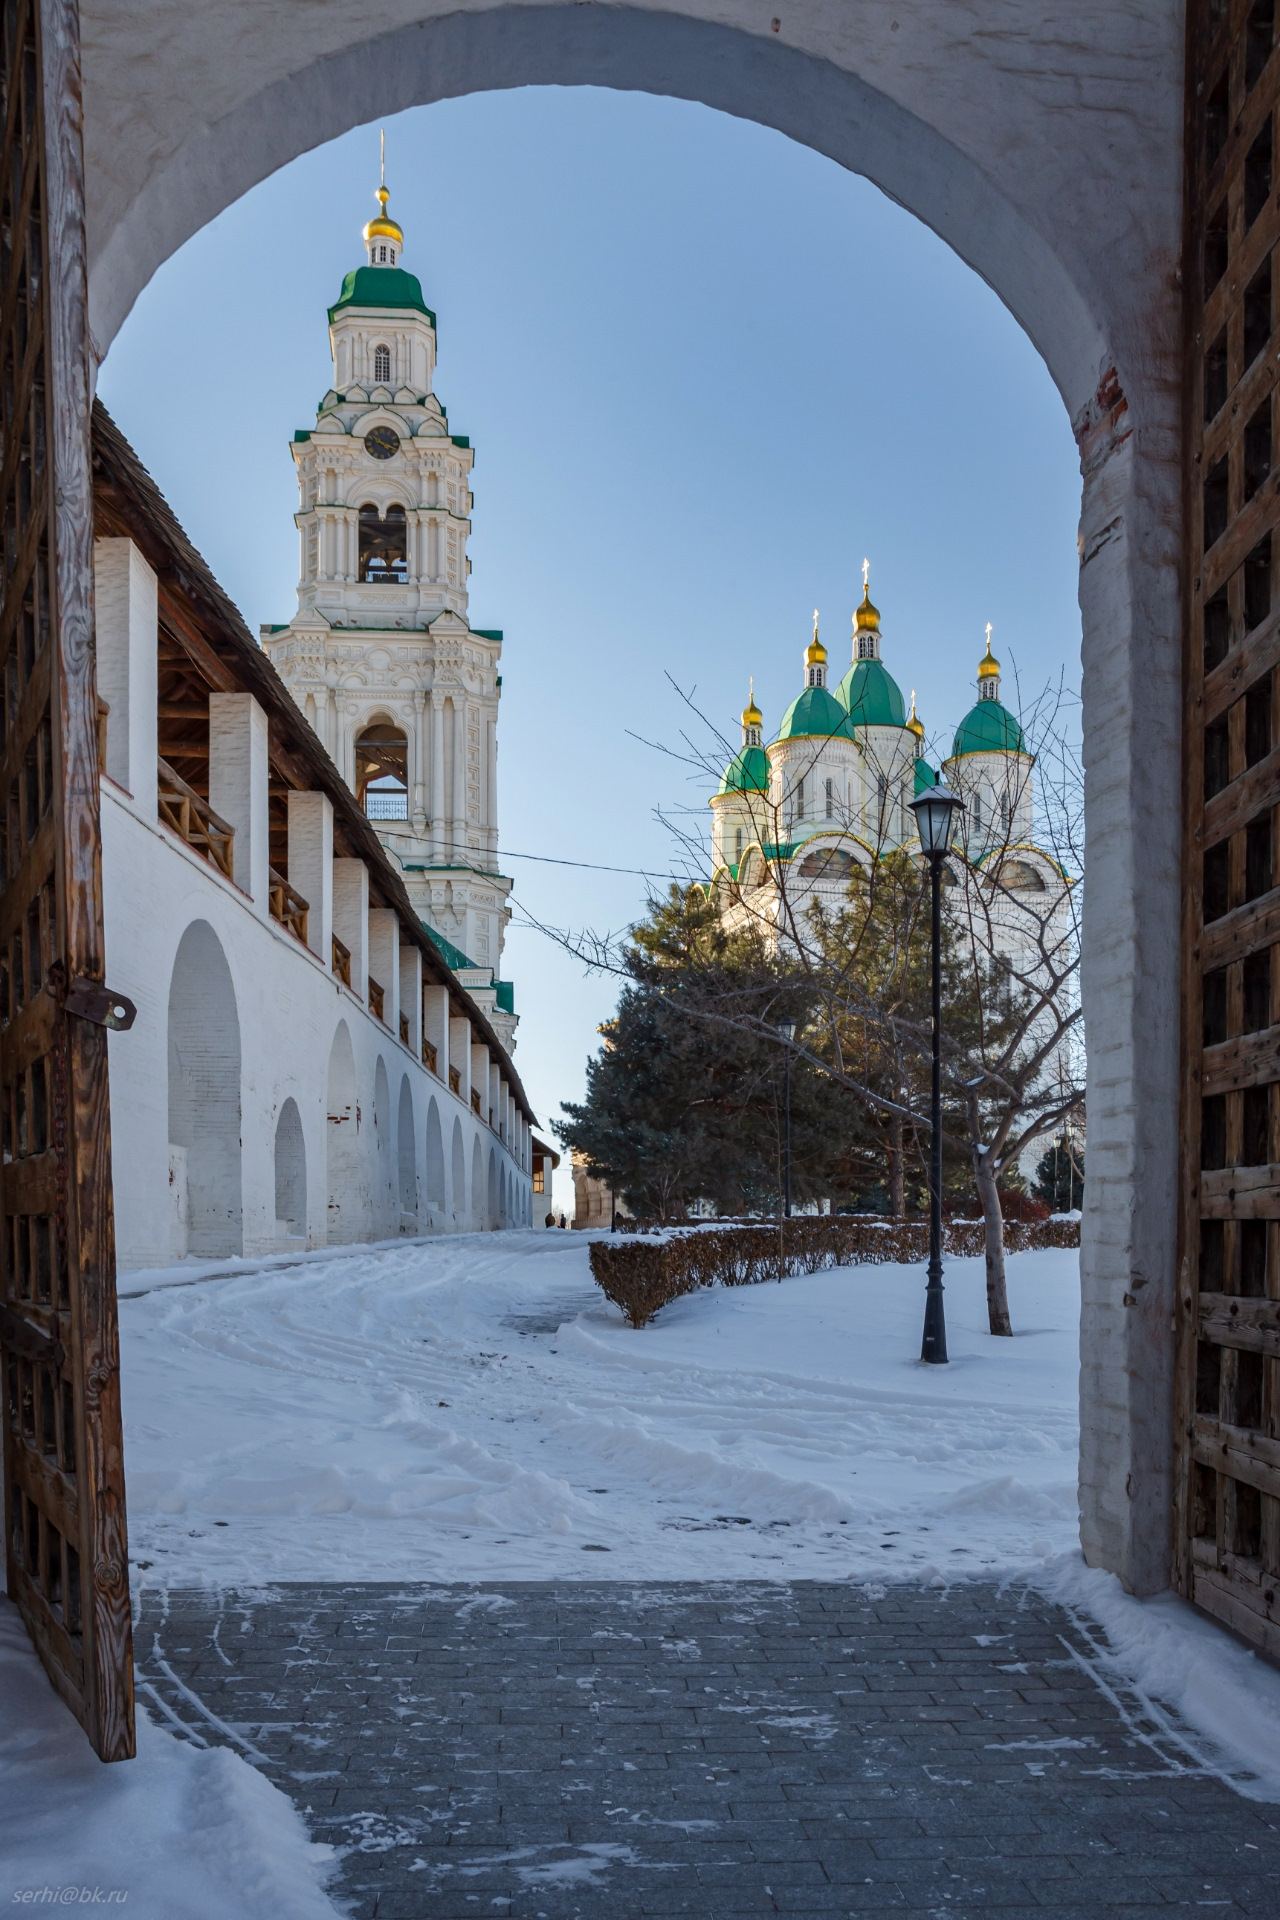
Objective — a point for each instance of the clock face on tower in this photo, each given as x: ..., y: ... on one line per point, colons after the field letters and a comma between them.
x: 382, y: 442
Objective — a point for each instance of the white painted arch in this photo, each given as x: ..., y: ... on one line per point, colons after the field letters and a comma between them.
x: 1041, y: 139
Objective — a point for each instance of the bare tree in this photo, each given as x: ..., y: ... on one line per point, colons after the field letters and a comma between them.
x: 850, y: 914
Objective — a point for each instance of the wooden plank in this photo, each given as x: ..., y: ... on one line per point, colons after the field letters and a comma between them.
x: 1238, y: 1607
x: 31, y: 1185
x: 1249, y: 1326
x: 1247, y: 661
x: 1240, y: 1193
x: 1239, y: 1452
x: 1247, y: 527
x: 1243, y: 800
x: 1250, y: 1060
x: 1242, y: 931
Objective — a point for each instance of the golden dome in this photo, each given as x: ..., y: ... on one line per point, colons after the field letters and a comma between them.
x: 382, y: 226
x: 988, y: 666
x: 867, y: 616
x: 913, y: 724
x: 815, y: 653
x: 751, y: 714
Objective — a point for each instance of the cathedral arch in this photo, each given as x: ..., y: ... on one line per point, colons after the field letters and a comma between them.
x: 458, y: 1157
x: 204, y: 1098
x: 291, y: 1174
x: 407, y: 1159
x: 435, y: 1160
x: 347, y: 1206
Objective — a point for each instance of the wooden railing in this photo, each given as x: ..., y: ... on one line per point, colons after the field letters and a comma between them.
x: 342, y: 961
x: 475, y: 1099
x: 429, y: 1056
x: 404, y: 1029
x: 287, y: 905
x: 455, y: 1081
x: 193, y: 819
x: 376, y: 997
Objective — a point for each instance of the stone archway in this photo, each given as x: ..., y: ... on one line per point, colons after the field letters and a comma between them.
x: 1077, y: 233
x: 291, y: 1175
x: 348, y: 1191
x: 407, y: 1159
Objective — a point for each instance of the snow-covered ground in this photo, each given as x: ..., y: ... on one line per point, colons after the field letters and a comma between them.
x: 473, y: 1408
x: 181, y: 1833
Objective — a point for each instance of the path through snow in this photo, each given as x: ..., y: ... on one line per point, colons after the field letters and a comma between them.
x: 472, y: 1407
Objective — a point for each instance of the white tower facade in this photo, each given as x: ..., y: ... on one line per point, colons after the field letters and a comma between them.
x: 381, y: 656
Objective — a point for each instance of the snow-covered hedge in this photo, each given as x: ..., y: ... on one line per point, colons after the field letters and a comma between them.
x: 640, y: 1276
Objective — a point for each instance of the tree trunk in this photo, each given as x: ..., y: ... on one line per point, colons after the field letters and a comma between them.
x: 897, y: 1205
x: 997, y: 1296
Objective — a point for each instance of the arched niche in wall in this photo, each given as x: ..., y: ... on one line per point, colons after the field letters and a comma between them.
x: 204, y: 1099
x: 382, y: 771
x: 478, y: 1189
x: 435, y: 1162
x: 291, y: 1174
x: 407, y: 1159
x: 348, y: 1191
x: 458, y: 1194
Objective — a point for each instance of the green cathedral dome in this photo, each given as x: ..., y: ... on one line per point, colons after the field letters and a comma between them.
x: 871, y: 696
x: 815, y: 711
x: 925, y: 777
x: 747, y: 772
x: 382, y: 287
x: 988, y: 728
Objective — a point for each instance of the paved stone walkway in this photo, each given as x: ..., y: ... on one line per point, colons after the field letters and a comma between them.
x: 546, y: 1751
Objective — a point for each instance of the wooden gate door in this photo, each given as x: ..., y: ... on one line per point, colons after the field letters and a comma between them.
x: 66, y: 1551
x: 1227, y: 1540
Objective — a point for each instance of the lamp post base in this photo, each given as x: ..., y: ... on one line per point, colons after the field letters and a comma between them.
x: 933, y: 1347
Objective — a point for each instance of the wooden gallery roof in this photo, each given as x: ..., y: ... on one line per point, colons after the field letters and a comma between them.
x: 206, y: 648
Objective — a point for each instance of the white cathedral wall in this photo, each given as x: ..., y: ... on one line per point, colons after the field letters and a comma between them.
x: 288, y: 1009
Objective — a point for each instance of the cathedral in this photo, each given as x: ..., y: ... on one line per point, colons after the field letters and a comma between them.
x: 402, y: 690
x: 833, y: 789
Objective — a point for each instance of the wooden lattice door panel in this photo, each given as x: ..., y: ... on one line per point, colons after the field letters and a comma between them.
x: 1227, y: 1539
x: 66, y: 1552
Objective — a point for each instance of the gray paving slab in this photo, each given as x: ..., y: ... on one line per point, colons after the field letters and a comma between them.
x: 624, y: 1750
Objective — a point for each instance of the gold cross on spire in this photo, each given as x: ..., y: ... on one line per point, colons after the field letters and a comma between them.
x: 382, y: 171
x: 866, y: 575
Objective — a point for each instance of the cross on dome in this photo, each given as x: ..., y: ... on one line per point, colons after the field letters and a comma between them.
x: 382, y: 235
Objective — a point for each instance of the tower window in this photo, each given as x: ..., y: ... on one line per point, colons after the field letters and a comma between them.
x: 382, y: 544
x: 382, y: 758
x: 831, y: 799
x: 800, y: 798
x: 382, y: 365
x: 737, y: 846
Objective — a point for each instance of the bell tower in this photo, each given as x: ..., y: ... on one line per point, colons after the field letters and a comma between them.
x: 381, y: 655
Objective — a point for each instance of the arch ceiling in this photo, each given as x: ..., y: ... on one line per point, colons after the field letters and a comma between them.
x: 942, y: 103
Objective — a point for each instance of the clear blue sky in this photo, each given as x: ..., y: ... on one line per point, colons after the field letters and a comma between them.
x: 705, y: 371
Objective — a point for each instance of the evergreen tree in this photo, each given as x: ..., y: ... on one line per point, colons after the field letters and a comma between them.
x: 1059, y: 1180
x: 685, y: 1101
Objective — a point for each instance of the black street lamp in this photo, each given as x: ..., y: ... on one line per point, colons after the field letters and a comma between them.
x: 934, y: 810
x: 787, y: 1028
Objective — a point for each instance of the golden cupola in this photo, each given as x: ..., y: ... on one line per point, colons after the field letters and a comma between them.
x: 383, y: 235
x: 752, y: 720
x: 988, y: 672
x: 915, y: 725
x: 815, y: 659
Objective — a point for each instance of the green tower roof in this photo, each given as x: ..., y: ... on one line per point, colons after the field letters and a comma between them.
x: 747, y: 772
x: 871, y: 696
x: 815, y: 711
x: 988, y: 728
x: 381, y: 287
x: 925, y: 776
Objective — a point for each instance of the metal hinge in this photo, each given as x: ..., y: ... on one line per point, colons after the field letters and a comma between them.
x: 90, y: 1000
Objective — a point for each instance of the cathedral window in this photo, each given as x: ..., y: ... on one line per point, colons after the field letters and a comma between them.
x: 831, y: 799
x: 800, y: 798
x: 382, y: 365
x: 1004, y: 813
x: 383, y: 553
x: 737, y: 846
x: 382, y: 772
x: 977, y: 810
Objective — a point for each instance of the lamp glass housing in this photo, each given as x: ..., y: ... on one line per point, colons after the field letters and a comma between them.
x: 787, y: 1028
x: 934, y: 810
